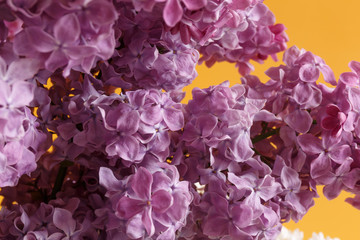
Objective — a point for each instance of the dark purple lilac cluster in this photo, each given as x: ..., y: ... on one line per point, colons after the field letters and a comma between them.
x: 95, y: 144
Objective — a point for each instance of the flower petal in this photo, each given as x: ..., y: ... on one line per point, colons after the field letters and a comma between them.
x: 108, y: 180
x: 56, y: 60
x: 309, y: 73
x: 302, y: 93
x: 22, y: 69
x: 161, y: 200
x: 172, y: 12
x: 22, y: 94
x: 320, y: 166
x: 174, y: 119
x: 310, y: 144
x: 135, y: 228
x: 127, y: 207
x: 67, y: 29
x: 63, y: 220
x: 194, y: 4
x: 40, y: 40
x: 141, y: 183
x: 290, y: 179
x: 355, y: 67
x: 328, y: 74
x: 299, y: 120
x: 349, y: 78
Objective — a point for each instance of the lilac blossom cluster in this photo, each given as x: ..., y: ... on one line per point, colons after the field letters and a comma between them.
x: 96, y: 144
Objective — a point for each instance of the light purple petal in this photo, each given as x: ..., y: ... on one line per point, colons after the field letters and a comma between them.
x: 22, y: 69
x: 123, y: 122
x: 56, y: 60
x: 355, y: 67
x: 328, y: 74
x: 333, y: 190
x: 302, y: 93
x: 299, y: 120
x: 268, y: 188
x: 340, y: 153
x: 108, y: 180
x: 349, y: 78
x: 151, y: 115
x: 258, y: 11
x: 310, y: 144
x: 216, y: 225
x: 141, y: 183
x: 22, y: 94
x: 148, y: 222
x: 320, y: 166
x: 67, y: 29
x: 127, y: 147
x: 309, y: 73
x: 40, y: 40
x: 194, y: 4
x: 290, y: 179
x: 161, y: 200
x: 174, y: 119
x: 63, y: 220
x: 2, y: 67
x: 79, y: 52
x: 135, y: 228
x: 354, y: 97
x: 242, y: 215
x: 169, y: 234
x: 9, y: 177
x: 172, y: 12
x: 127, y: 207
x: 101, y: 12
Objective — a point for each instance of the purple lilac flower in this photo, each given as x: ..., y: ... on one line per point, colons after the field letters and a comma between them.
x: 127, y: 159
x: 153, y: 202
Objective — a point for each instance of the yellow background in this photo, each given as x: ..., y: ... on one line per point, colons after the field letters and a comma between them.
x: 331, y: 30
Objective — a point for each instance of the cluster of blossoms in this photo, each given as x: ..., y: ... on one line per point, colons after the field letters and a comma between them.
x: 298, y: 235
x: 96, y: 144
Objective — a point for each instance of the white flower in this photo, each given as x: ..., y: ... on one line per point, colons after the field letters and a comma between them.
x: 320, y: 236
x: 286, y: 234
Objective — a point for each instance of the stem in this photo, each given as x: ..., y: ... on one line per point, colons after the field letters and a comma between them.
x: 264, y: 127
x: 60, y: 178
x: 265, y: 135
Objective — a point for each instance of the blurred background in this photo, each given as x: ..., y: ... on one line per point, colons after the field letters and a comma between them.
x: 331, y: 30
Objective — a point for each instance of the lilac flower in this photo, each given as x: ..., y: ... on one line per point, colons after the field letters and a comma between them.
x: 30, y: 9
x: 153, y: 201
x: 334, y: 121
x: 342, y: 178
x: 60, y: 48
x: 325, y: 150
x: 223, y: 219
x: 63, y: 220
x: 128, y: 160
x: 261, y: 189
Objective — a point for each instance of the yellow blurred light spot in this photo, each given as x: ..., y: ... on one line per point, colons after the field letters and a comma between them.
x: 118, y: 91
x: 48, y: 84
x: 51, y: 148
x: 96, y: 74
x: 34, y: 111
x: 273, y: 144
